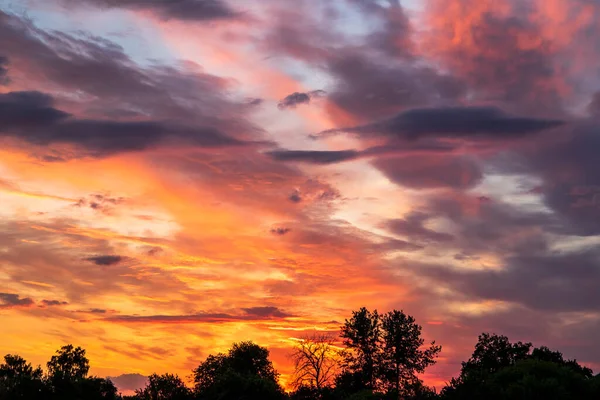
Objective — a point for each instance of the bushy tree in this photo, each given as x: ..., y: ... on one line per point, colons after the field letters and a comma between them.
x: 499, y: 369
x: 244, y: 373
x: 164, y: 387
x: 534, y: 379
x: 69, y: 363
x: 20, y: 381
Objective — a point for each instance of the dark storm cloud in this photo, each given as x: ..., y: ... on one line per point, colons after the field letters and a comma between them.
x: 369, y: 90
x: 412, y: 226
x: 3, y: 70
x: 30, y: 116
x: 266, y: 312
x: 458, y: 172
x: 28, y: 110
x: 191, y: 10
x: 482, y: 225
x: 454, y: 122
x: 337, y: 156
x: 568, y: 166
x: 314, y: 157
x: 11, y: 300
x: 114, y: 88
x: 280, y: 231
x: 50, y: 303
x: 297, y: 98
x: 260, y: 314
x: 594, y: 106
x: 295, y: 197
x: 551, y: 281
x: 105, y: 260
x: 392, y: 34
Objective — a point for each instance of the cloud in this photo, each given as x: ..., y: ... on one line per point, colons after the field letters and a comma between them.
x: 3, y: 70
x: 11, y: 300
x: 501, y: 51
x: 458, y: 172
x: 127, y: 383
x: 314, y: 157
x: 28, y: 110
x: 188, y: 10
x: 116, y: 95
x: 454, y: 122
x: 556, y: 282
x: 413, y: 228
x: 295, y: 197
x: 266, y: 312
x: 50, y: 303
x: 337, y: 156
x: 30, y: 117
x: 280, y: 231
x: 594, y: 106
x: 105, y: 260
x: 296, y: 98
x: 251, y: 314
x: 568, y: 168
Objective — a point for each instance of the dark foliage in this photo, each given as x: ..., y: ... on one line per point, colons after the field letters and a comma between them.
x: 382, y: 359
x: 499, y: 370
x: 244, y: 373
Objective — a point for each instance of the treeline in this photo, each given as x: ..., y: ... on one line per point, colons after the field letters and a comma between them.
x: 375, y: 357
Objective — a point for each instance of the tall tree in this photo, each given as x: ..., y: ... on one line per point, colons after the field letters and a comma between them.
x: 67, y: 371
x: 69, y: 363
x: 403, y: 352
x: 315, y: 362
x: 361, y: 335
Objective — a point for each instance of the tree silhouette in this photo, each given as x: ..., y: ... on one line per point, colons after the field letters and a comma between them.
x: 244, y: 373
x: 69, y: 363
x: 384, y: 354
x: 535, y: 379
x: 361, y: 335
x: 545, y: 354
x: 95, y: 388
x: 499, y: 369
x: 316, y: 361
x: 19, y: 380
x: 164, y: 387
x: 403, y: 356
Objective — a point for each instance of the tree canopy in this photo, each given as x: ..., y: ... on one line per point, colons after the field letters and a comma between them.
x: 376, y: 357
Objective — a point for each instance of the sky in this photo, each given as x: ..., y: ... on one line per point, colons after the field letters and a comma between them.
x: 176, y: 176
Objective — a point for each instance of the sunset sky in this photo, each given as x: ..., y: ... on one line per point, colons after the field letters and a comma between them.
x: 179, y: 175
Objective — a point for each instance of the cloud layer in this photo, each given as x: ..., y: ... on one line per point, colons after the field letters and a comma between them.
x: 203, y: 172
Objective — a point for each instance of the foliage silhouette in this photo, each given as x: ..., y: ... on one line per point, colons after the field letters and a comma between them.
x: 499, y: 370
x: 244, y: 373
x: 164, y: 387
x: 19, y: 380
x: 385, y: 354
x: 361, y: 335
x: 383, y: 358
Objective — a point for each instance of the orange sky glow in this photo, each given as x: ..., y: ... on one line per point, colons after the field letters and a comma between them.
x: 172, y: 183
